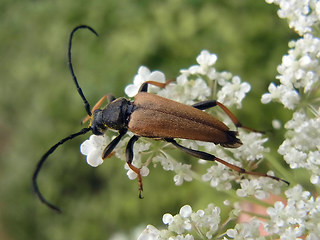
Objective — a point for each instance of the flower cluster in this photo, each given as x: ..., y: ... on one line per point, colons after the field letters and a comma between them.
x: 297, y: 219
x: 232, y: 90
x: 298, y: 216
x: 302, y: 15
x: 202, y: 224
x: 301, y: 148
x: 298, y: 74
x: 246, y: 230
x: 186, y: 224
x: 260, y: 188
x: 298, y: 90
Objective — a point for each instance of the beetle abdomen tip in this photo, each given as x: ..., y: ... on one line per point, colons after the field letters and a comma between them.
x: 233, y: 141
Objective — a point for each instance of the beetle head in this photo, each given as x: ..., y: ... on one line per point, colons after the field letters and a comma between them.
x: 97, y: 125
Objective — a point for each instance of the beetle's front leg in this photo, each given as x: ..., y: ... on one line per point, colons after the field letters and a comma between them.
x: 108, y: 150
x: 129, y: 159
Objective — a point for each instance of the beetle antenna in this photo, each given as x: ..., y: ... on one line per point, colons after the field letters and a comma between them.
x: 44, y: 158
x: 86, y: 104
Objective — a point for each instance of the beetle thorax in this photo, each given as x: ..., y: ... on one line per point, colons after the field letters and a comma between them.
x: 115, y: 115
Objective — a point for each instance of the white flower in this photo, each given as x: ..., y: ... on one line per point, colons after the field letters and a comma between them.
x: 246, y: 230
x: 186, y: 91
x: 260, y: 187
x: 144, y: 75
x: 150, y: 233
x: 232, y: 93
x: 252, y: 148
x: 298, y: 73
x: 278, y: 216
x: 185, y: 211
x: 301, y: 147
x: 282, y: 93
x: 182, y: 237
x: 179, y: 224
x: 301, y: 14
x: 93, y: 148
x: 300, y: 217
x: 297, y: 194
x: 219, y: 177
x: 251, y: 187
x: 206, y: 60
x: 206, y: 221
x: 300, y: 67
x: 183, y: 173
x: 167, y: 162
x: 167, y: 218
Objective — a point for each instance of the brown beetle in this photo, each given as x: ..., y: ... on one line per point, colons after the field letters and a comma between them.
x: 152, y: 116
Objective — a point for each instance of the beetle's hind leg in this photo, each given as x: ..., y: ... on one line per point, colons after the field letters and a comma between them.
x: 129, y: 159
x: 210, y: 157
x: 212, y: 103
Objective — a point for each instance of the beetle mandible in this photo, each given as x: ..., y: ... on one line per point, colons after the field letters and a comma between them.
x: 152, y: 116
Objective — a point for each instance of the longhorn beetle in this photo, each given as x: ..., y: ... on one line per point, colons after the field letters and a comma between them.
x: 152, y: 116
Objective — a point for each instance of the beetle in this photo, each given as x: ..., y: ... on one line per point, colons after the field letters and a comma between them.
x: 152, y: 116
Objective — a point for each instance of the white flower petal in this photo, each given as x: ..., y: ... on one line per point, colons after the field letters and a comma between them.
x: 131, y: 90
x: 94, y: 158
x: 86, y: 147
x: 185, y: 211
x: 167, y: 218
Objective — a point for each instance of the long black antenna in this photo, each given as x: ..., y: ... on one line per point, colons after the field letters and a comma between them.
x: 44, y: 158
x: 86, y: 104
x: 62, y: 141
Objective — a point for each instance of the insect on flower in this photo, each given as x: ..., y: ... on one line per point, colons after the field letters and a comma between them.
x: 152, y: 116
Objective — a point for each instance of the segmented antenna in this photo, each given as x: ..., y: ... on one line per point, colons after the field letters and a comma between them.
x: 44, y: 158
x: 86, y: 104
x: 62, y: 141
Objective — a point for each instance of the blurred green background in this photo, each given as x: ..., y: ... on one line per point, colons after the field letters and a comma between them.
x: 39, y: 103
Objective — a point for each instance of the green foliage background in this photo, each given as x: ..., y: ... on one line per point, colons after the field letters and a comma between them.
x: 39, y: 104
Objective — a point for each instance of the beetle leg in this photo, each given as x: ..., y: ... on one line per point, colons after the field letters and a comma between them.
x: 144, y: 86
x: 205, y: 104
x: 210, y: 157
x: 109, y: 97
x: 108, y: 150
x: 212, y: 103
x: 129, y: 158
